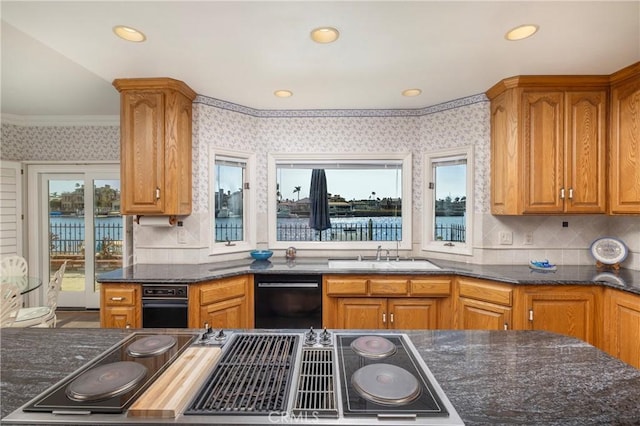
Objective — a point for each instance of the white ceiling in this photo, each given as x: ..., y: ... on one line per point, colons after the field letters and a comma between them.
x: 59, y: 58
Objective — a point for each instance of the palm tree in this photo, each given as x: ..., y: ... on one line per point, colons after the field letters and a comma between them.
x: 297, y: 189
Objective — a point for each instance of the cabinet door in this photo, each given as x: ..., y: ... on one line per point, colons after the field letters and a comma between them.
x: 624, y: 167
x: 360, y: 312
x: 119, y: 317
x: 585, y: 152
x: 543, y: 151
x: 478, y: 315
x: 572, y: 313
x: 142, y: 152
x: 226, y: 314
x: 413, y: 314
x: 622, y: 326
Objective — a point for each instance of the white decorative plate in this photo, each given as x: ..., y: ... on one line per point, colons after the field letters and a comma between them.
x: 609, y: 250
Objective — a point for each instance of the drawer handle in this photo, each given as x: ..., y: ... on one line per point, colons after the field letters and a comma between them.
x: 117, y: 299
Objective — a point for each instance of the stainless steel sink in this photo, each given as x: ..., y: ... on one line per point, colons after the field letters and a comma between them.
x: 388, y: 265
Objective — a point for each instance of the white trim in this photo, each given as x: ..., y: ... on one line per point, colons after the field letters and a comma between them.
x: 405, y: 158
x: 60, y: 120
x: 249, y: 199
x: 428, y: 244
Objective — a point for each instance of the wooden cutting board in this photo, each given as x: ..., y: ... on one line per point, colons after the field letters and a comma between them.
x: 168, y: 396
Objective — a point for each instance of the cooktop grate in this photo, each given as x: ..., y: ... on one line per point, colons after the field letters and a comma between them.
x: 253, y: 377
x: 316, y: 393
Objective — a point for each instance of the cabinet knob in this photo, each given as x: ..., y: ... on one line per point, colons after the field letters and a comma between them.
x: 562, y: 193
x: 384, y: 318
x: 391, y: 318
x: 570, y: 193
x: 157, y: 193
x: 117, y: 299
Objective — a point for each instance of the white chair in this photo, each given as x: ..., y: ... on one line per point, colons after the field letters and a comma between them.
x: 10, y: 303
x: 14, y: 267
x: 43, y: 316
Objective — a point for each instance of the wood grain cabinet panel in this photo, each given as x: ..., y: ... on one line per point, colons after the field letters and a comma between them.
x: 120, y: 306
x: 483, y: 305
x: 622, y: 326
x: 224, y: 303
x: 401, y: 308
x: 478, y: 315
x: 570, y: 310
x: 624, y: 145
x: 361, y: 313
x: 155, y: 146
x: 548, y: 138
x: 412, y: 314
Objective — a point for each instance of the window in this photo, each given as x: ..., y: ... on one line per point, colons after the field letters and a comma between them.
x: 448, y: 196
x: 231, y: 184
x: 340, y: 201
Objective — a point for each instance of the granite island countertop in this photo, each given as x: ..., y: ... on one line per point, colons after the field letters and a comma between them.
x: 490, y: 377
x: 624, y: 279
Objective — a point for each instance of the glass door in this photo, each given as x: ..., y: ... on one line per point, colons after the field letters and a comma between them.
x: 80, y: 223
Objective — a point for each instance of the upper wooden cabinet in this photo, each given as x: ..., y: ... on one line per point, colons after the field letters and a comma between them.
x: 548, y: 141
x: 624, y: 147
x: 155, y: 146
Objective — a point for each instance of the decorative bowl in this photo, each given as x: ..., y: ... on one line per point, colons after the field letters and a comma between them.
x: 261, y: 254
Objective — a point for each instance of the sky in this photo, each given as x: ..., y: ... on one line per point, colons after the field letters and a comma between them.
x: 60, y: 186
x: 351, y: 184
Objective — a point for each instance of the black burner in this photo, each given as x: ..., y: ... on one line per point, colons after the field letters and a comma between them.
x: 151, y: 346
x: 386, y: 384
x: 411, y: 392
x: 375, y: 347
x: 106, y: 381
x: 84, y: 391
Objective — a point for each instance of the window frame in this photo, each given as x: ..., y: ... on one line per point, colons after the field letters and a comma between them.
x: 248, y: 199
x: 428, y: 220
x: 274, y: 158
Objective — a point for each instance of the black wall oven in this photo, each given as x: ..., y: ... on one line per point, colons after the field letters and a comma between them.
x: 165, y: 305
x: 288, y: 301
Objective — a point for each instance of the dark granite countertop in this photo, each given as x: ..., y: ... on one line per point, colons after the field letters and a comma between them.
x: 490, y: 377
x: 624, y: 279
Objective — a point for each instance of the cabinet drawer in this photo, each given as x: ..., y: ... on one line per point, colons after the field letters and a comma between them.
x: 479, y: 290
x: 383, y: 287
x: 222, y: 290
x: 346, y: 286
x: 431, y: 287
x: 120, y: 296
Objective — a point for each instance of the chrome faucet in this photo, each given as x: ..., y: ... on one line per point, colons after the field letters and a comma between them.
x: 378, y: 252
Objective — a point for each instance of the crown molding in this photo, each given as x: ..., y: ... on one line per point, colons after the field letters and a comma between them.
x: 60, y: 120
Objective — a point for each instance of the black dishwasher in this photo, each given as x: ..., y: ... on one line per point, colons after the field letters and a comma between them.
x: 288, y: 301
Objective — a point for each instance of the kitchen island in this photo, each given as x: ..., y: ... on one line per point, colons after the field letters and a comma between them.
x: 490, y: 377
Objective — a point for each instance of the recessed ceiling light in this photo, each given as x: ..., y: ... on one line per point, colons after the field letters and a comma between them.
x: 411, y: 92
x: 521, y: 32
x: 128, y: 33
x: 324, y: 35
x: 283, y: 93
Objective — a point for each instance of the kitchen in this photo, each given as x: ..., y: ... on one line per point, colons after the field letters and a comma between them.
x: 232, y: 126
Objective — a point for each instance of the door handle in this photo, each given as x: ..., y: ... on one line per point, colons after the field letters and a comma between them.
x: 391, y: 318
x: 384, y: 318
x: 562, y: 193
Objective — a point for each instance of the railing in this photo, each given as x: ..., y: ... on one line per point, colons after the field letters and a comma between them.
x: 368, y: 231
x: 451, y: 232
x: 68, y: 239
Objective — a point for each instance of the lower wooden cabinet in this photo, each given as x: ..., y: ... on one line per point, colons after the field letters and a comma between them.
x: 225, y: 303
x: 570, y: 310
x: 381, y: 313
x: 482, y: 305
x: 120, y: 306
x: 378, y: 302
x: 622, y: 325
